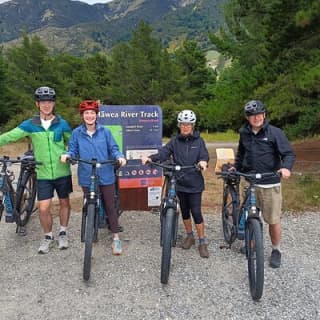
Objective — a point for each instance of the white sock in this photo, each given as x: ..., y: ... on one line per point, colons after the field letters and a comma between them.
x: 276, y: 247
x: 49, y: 234
x: 63, y: 229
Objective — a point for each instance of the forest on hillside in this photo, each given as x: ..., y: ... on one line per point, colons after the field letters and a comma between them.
x: 272, y: 47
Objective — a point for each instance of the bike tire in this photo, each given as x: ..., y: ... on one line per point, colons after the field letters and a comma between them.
x: 83, y: 220
x: 1, y: 209
x: 167, y: 236
x: 25, y: 200
x: 228, y: 215
x: 255, y: 255
x: 89, y: 235
x: 175, y: 231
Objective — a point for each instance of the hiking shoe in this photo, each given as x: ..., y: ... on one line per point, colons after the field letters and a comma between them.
x: 275, y: 260
x: 116, y: 247
x: 203, y: 250
x: 46, y: 244
x: 188, y: 242
x: 63, y: 241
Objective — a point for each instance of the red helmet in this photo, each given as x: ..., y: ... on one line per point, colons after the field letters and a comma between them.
x: 88, y: 105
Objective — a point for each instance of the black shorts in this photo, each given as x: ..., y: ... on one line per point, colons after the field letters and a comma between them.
x: 63, y: 187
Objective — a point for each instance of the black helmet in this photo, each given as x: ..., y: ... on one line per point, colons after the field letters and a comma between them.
x: 45, y: 94
x: 254, y: 107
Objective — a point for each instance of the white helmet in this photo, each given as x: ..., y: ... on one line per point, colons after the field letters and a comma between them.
x: 187, y: 116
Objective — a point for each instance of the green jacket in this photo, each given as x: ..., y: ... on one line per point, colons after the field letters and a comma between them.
x: 48, y: 145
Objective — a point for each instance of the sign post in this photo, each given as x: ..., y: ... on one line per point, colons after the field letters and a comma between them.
x: 138, y: 131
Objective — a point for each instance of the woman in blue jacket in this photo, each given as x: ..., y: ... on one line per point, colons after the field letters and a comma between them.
x: 188, y: 148
x: 92, y: 141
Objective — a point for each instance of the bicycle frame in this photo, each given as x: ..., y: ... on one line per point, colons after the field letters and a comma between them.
x: 253, y: 225
x: 249, y: 202
x: 7, y: 192
x: 169, y: 201
x: 90, y: 211
x: 18, y: 206
x: 169, y: 213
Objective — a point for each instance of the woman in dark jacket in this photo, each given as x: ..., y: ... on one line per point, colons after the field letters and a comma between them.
x: 188, y: 148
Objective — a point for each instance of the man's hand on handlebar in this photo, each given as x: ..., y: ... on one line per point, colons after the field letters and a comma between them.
x: 285, y: 173
x: 64, y: 158
x: 203, y: 165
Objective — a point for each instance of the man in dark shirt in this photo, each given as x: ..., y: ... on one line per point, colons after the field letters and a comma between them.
x: 265, y: 148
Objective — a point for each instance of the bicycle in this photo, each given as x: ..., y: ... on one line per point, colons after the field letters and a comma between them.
x: 92, y: 211
x: 19, y: 203
x: 243, y: 221
x: 169, y: 213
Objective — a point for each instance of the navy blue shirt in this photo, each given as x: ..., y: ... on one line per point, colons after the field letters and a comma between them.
x: 184, y: 151
x: 267, y: 151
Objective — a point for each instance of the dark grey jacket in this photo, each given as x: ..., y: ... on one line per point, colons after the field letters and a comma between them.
x: 185, y: 151
x: 267, y: 151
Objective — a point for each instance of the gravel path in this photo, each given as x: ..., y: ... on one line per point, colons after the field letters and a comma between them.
x: 128, y: 287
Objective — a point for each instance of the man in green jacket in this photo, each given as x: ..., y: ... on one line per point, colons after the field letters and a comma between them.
x: 49, y: 134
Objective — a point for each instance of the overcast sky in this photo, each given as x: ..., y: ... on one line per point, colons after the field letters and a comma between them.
x: 87, y: 1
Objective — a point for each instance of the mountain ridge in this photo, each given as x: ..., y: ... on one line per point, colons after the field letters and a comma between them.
x: 80, y: 28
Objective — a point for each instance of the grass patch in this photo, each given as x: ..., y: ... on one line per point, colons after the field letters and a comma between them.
x: 228, y: 136
x: 301, y: 193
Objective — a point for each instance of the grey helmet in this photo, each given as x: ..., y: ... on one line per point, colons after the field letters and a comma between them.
x: 254, y: 107
x: 45, y: 94
x: 187, y: 116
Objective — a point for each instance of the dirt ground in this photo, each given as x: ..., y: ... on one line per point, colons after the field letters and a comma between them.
x: 50, y: 287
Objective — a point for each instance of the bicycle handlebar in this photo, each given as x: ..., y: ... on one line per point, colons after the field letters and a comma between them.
x: 249, y: 176
x: 25, y: 160
x: 174, y: 167
x: 94, y: 162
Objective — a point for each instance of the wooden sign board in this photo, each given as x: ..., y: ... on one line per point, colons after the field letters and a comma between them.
x: 224, y: 155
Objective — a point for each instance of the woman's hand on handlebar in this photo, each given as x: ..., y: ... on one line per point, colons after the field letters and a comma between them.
x: 145, y: 160
x: 122, y: 162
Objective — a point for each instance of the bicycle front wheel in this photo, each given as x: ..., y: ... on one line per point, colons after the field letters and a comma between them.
x: 89, y: 235
x: 167, y: 237
x: 1, y: 208
x: 255, y: 258
x: 229, y: 210
x: 26, y: 196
